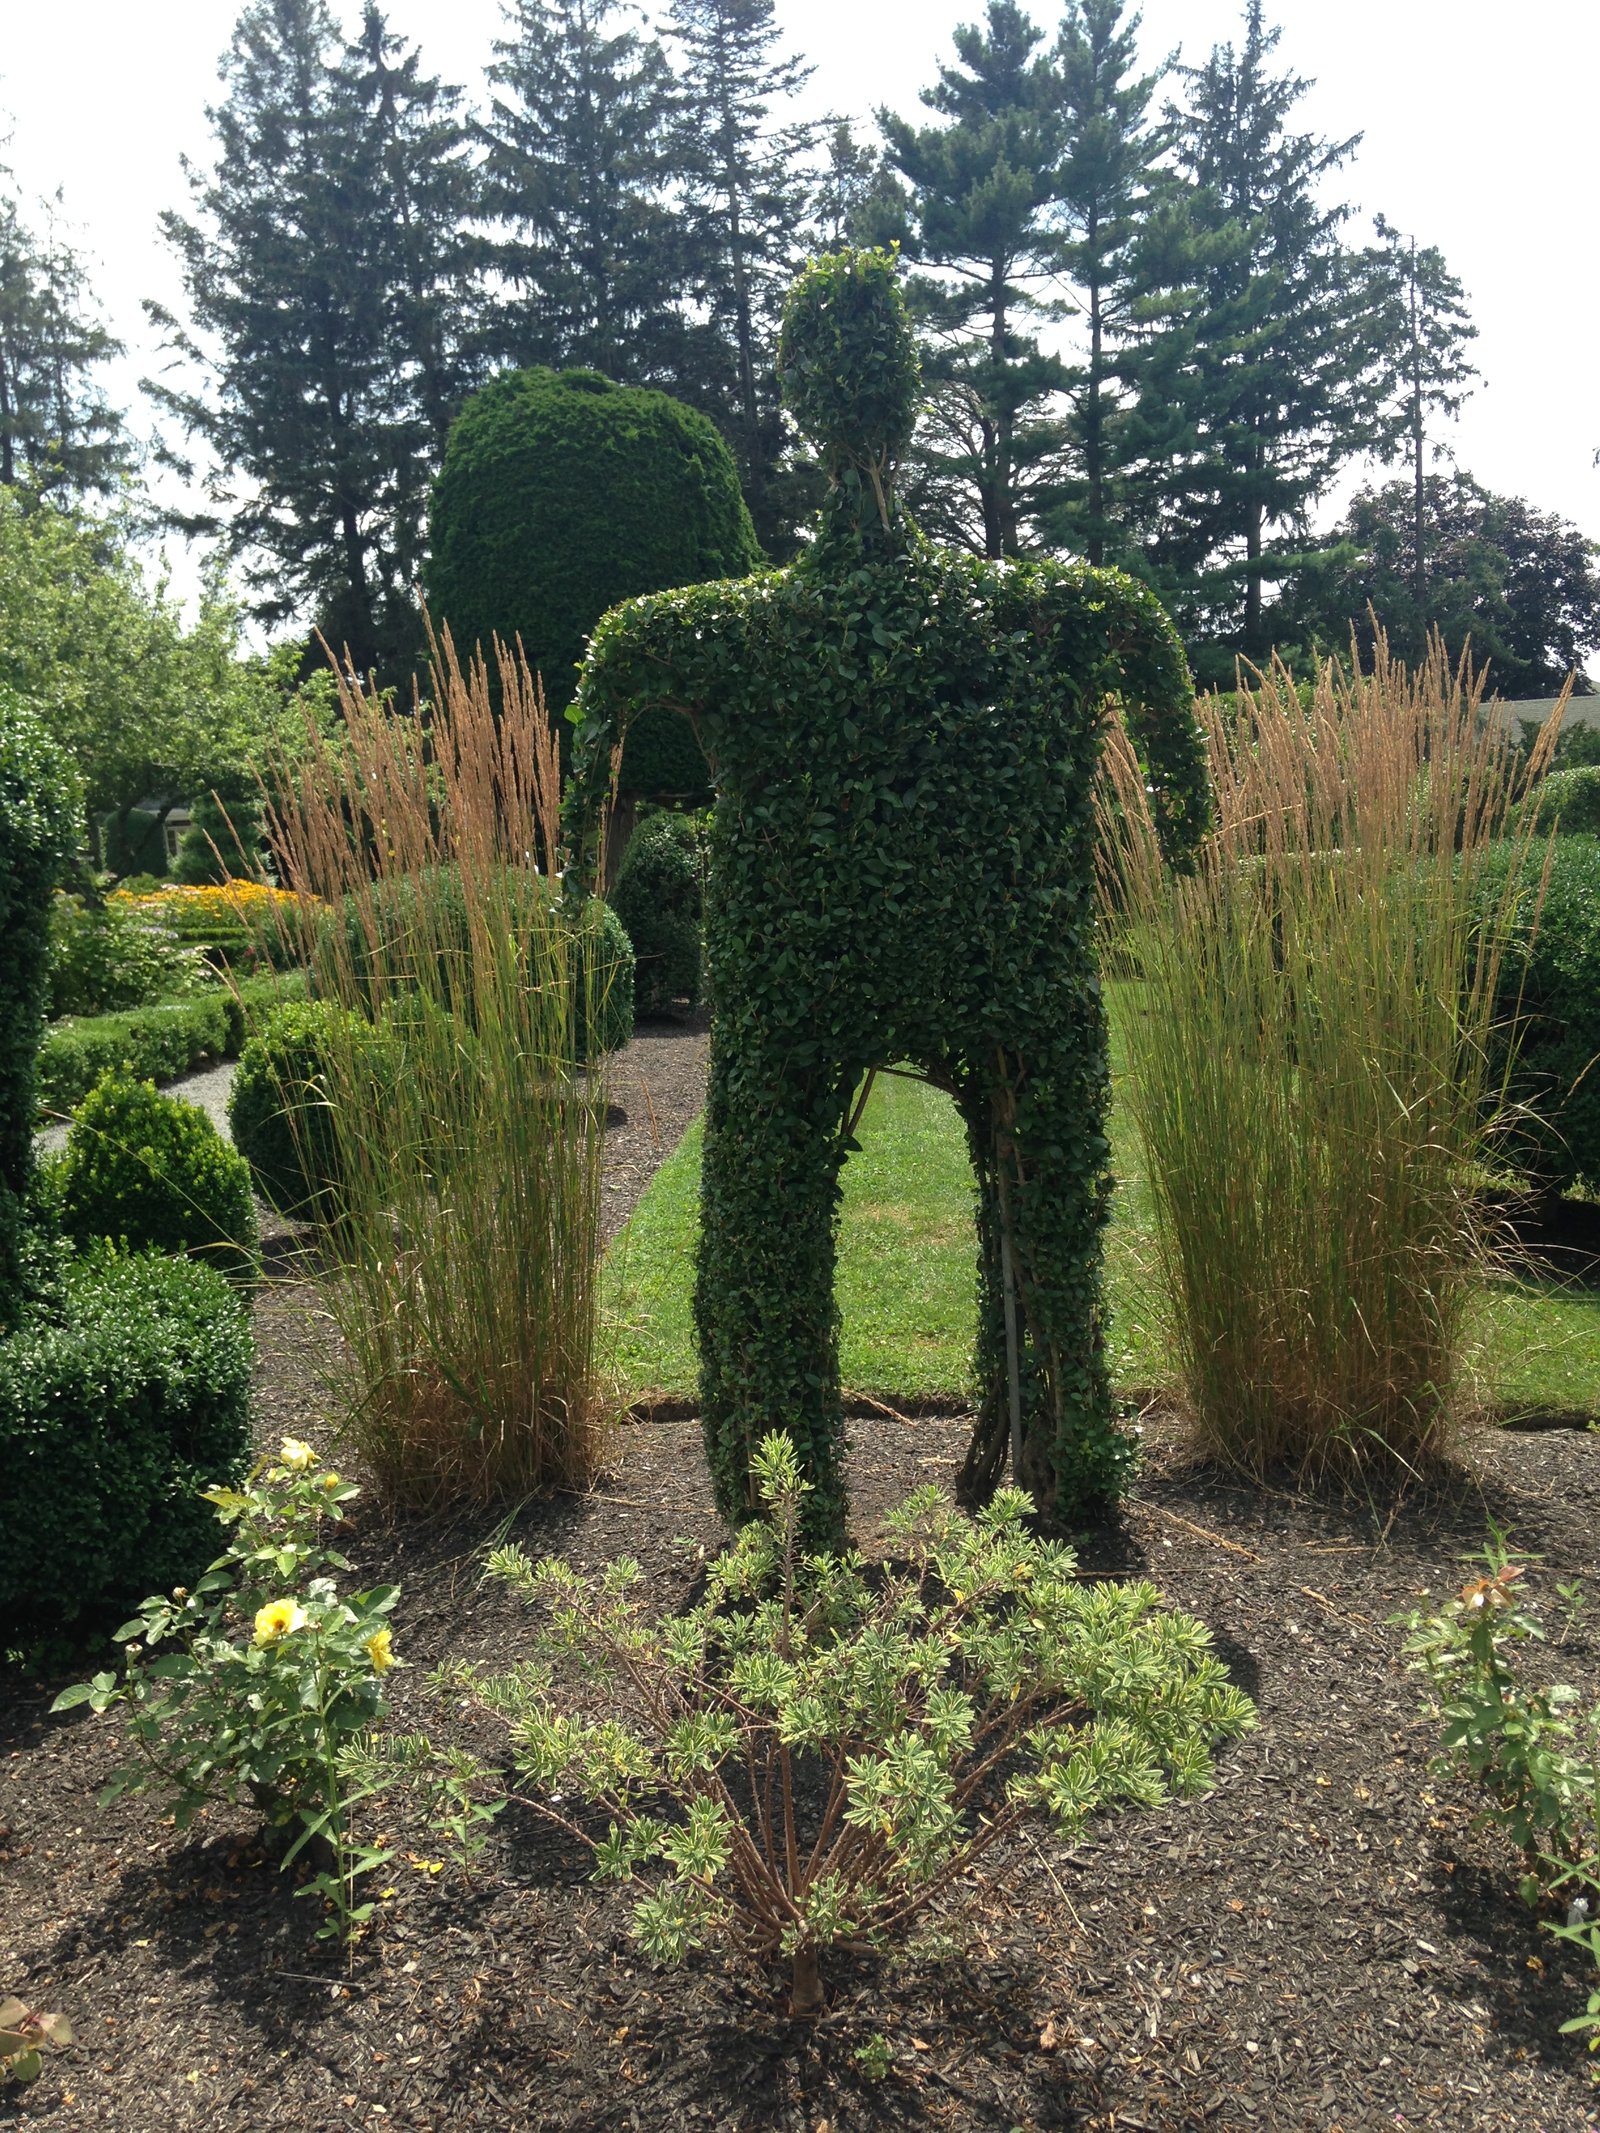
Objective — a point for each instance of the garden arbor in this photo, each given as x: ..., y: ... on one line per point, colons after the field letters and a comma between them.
x: 904, y: 743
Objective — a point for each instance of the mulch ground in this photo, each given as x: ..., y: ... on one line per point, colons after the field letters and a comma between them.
x: 1323, y: 1942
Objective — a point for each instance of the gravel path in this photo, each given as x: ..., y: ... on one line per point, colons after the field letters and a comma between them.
x: 657, y: 1085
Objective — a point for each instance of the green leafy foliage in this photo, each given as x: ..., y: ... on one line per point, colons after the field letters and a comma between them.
x: 121, y: 1393
x: 660, y: 899
x: 819, y: 1747
x: 107, y: 956
x: 1551, y: 979
x: 408, y: 931
x: 266, y: 1674
x: 562, y: 494
x: 25, y: 2036
x: 901, y: 870
x: 1534, y: 1752
x: 41, y: 818
x: 282, y: 1110
x: 1568, y: 802
x: 153, y: 1172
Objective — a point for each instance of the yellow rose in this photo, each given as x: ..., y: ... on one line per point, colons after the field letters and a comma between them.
x: 380, y: 1651
x: 279, y: 1618
x: 331, y: 1481
x: 296, y: 1455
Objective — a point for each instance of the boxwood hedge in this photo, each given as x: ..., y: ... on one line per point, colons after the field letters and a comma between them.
x: 122, y: 1395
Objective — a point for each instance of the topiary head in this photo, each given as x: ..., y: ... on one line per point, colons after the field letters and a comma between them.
x: 849, y: 366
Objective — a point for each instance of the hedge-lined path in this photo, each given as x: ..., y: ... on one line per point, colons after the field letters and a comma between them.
x: 657, y: 1086
x: 1320, y: 1944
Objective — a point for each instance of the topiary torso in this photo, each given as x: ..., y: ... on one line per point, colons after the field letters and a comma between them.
x: 562, y: 494
x: 903, y: 741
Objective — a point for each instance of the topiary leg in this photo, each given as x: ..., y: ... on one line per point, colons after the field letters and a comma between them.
x: 1038, y: 1126
x: 764, y: 1305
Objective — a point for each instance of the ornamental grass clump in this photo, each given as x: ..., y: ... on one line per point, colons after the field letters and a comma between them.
x: 1309, y: 1046
x: 820, y: 1746
x: 461, y: 1237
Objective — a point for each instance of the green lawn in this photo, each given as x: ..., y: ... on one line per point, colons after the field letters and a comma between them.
x: 906, y: 1276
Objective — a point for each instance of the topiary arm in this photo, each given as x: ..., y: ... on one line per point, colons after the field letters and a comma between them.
x: 1115, y: 637
x: 671, y: 651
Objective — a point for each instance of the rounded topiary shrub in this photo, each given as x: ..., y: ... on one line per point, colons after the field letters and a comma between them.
x: 1568, y: 801
x: 282, y: 1106
x: 562, y: 494
x: 151, y: 1171
x: 659, y: 897
x: 1553, y: 979
x: 121, y: 1395
x: 418, y: 924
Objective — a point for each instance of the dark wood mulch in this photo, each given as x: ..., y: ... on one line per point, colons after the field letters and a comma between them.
x: 1321, y: 1942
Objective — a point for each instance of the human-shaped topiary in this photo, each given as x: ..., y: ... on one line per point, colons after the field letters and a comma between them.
x: 904, y: 742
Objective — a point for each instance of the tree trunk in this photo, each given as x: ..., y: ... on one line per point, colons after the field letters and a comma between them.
x: 1419, y: 566
x: 805, y: 1997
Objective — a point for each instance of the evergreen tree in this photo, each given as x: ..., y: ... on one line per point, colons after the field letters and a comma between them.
x: 747, y: 188
x: 1426, y: 327
x: 982, y: 184
x: 859, y: 200
x: 579, y: 152
x: 1107, y: 171
x: 1260, y: 370
x: 325, y: 266
x: 59, y: 435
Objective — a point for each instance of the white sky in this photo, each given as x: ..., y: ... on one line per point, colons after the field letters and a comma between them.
x: 1478, y: 122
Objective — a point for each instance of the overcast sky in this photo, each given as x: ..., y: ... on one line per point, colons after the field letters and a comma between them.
x: 1478, y: 125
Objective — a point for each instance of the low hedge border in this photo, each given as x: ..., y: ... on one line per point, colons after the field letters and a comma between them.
x: 156, y: 1043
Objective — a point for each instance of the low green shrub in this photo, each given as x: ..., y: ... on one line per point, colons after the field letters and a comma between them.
x: 371, y: 943
x: 121, y: 1395
x: 107, y: 957
x: 266, y: 1676
x: 25, y: 2036
x: 835, y: 1744
x: 282, y: 1108
x: 1568, y: 801
x: 153, y: 1172
x: 659, y: 897
x: 1550, y: 993
x: 1532, y: 1751
x: 157, y: 1043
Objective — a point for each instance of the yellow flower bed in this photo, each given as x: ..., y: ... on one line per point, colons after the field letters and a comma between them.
x: 241, y: 899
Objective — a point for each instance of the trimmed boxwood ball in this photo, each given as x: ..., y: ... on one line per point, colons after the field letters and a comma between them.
x: 41, y: 821
x: 658, y: 897
x: 121, y: 1396
x: 1552, y: 979
x: 279, y: 1111
x: 561, y: 494
x: 151, y: 1171
x: 349, y: 945
x: 902, y: 870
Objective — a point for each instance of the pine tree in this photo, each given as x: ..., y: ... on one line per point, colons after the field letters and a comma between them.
x: 325, y: 268
x: 858, y: 198
x: 982, y: 184
x: 1426, y: 327
x: 747, y: 187
x: 1260, y: 377
x: 58, y: 433
x: 577, y: 169
x: 1107, y: 172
